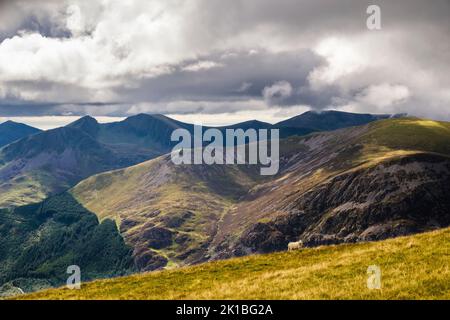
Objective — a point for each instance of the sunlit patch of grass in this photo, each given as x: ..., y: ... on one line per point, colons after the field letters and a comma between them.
x: 414, y: 267
x: 28, y: 188
x: 432, y: 124
x: 409, y: 134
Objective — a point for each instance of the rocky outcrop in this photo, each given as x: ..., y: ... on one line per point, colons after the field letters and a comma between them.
x: 148, y: 260
x: 157, y: 237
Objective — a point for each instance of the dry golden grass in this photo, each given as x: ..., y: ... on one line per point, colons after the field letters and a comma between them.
x: 414, y: 267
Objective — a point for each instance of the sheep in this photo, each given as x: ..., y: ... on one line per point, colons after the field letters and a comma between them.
x: 295, y: 245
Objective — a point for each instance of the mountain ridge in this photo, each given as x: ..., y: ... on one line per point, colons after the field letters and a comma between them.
x: 49, y: 162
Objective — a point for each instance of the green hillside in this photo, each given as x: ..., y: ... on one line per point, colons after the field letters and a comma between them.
x: 410, y: 133
x: 414, y: 267
x: 383, y: 180
x: 396, y: 136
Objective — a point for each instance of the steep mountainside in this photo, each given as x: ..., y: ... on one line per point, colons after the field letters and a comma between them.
x: 168, y: 213
x: 11, y: 131
x: 381, y: 180
x: 38, y: 242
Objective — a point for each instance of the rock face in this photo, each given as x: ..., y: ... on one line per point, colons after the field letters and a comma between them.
x: 157, y: 237
x: 394, y: 198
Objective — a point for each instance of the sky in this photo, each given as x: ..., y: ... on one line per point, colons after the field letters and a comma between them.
x: 221, y: 62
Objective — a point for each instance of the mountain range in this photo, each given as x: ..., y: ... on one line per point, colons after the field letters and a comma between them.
x: 49, y: 162
x: 343, y: 178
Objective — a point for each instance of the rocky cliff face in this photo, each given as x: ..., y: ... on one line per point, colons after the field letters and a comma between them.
x: 394, y: 198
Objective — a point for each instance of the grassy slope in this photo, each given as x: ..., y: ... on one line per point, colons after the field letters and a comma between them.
x: 415, y: 267
x: 395, y: 137
x: 412, y: 134
x: 30, y: 187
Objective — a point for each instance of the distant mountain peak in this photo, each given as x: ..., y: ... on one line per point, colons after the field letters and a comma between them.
x: 16, y: 124
x: 250, y: 124
x: 83, y: 120
x: 10, y: 122
x: 148, y: 116
x: 144, y: 121
x: 11, y: 131
x: 328, y: 120
x: 87, y: 124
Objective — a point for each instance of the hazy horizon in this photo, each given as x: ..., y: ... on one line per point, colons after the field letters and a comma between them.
x: 52, y: 122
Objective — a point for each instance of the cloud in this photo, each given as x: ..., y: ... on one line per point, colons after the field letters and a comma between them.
x: 278, y: 92
x: 113, y: 57
x: 383, y: 95
x: 245, y: 86
x: 202, y: 65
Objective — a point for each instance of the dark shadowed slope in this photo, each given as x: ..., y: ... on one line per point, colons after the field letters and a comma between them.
x: 11, y: 131
x: 329, y: 120
x: 143, y: 134
x: 50, y: 162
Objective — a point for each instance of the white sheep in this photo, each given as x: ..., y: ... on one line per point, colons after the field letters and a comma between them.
x: 295, y: 245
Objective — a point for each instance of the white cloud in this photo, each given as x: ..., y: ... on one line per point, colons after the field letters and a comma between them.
x: 383, y: 95
x: 244, y: 87
x: 202, y: 65
x: 278, y: 92
x: 343, y: 58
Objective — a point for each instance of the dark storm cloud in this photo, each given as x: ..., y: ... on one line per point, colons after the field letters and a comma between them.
x: 31, y: 16
x: 234, y: 75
